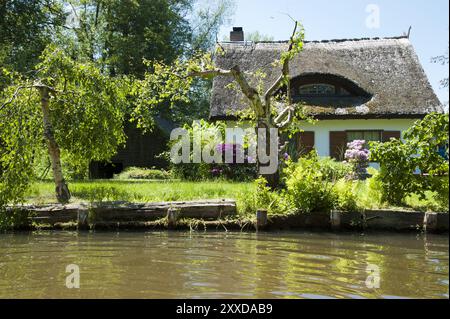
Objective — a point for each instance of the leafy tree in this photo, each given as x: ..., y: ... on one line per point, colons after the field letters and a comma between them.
x: 173, y: 83
x: 26, y: 28
x: 67, y: 106
x: 419, y: 150
x: 120, y: 35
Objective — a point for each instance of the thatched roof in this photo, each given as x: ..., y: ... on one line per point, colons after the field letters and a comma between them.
x: 387, y: 68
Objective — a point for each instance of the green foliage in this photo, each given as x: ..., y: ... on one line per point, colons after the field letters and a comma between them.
x: 309, y: 185
x: 26, y: 28
x: 143, y: 173
x: 263, y: 198
x: 297, y: 43
x: 374, y: 189
x: 87, y: 114
x: 115, y: 35
x: 315, y: 184
x: 441, y: 191
x: 397, y: 170
x: 425, y: 137
x: 333, y: 170
x: 330, y: 169
x: 20, y: 134
x: 346, y: 193
x: 104, y: 32
x: 13, y: 219
x: 400, y: 159
x: 88, y: 109
x: 203, y: 171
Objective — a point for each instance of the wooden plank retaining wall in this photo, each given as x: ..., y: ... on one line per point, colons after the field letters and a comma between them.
x: 216, y: 211
x: 125, y: 212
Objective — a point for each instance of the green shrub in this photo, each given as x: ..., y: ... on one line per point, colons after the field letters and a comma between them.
x: 373, y: 189
x: 143, y: 173
x: 263, y: 198
x: 441, y: 188
x: 396, y: 174
x: 309, y: 184
x: 330, y: 169
x: 334, y: 170
x: 346, y: 195
x: 13, y: 219
x: 400, y: 159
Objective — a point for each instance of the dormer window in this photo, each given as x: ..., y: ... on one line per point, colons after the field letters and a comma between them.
x: 327, y: 90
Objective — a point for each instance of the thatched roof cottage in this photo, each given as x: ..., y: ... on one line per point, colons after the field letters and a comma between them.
x: 372, y: 89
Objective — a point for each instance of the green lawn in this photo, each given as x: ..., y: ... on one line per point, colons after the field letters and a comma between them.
x: 139, y: 191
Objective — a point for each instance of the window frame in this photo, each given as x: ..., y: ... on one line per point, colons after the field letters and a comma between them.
x: 328, y: 85
x: 366, y: 131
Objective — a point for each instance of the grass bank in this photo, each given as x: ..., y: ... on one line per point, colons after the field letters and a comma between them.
x: 171, y: 190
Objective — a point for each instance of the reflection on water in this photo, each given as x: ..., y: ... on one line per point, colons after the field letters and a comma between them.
x: 223, y: 265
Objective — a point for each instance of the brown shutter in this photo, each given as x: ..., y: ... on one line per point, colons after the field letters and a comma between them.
x: 338, y: 145
x: 387, y: 135
x: 306, y: 142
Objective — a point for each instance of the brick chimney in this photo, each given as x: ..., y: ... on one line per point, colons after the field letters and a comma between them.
x: 237, y: 34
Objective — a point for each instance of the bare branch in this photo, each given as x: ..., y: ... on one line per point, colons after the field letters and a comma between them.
x: 39, y: 85
x: 250, y: 92
x: 210, y: 73
x: 284, y: 73
x: 274, y: 87
x: 36, y: 85
x: 14, y: 96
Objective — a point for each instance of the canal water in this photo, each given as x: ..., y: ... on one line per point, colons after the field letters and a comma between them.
x: 223, y: 265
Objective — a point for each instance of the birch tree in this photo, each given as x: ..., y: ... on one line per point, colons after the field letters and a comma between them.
x: 63, y: 106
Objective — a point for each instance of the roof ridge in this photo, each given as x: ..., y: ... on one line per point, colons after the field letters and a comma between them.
x: 322, y: 41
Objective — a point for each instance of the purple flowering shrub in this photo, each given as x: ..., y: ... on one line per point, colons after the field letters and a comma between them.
x: 358, y: 156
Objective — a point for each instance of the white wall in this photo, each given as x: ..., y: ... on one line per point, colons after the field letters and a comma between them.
x: 323, y: 128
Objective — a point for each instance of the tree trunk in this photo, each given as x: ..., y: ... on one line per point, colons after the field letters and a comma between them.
x: 273, y: 180
x: 62, y: 191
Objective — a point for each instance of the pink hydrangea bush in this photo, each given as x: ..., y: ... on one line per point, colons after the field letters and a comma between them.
x: 358, y: 156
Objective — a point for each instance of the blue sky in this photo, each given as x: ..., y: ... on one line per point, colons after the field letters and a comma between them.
x: 331, y: 19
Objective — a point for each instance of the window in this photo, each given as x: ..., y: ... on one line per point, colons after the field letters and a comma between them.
x: 317, y: 89
x: 344, y: 92
x: 368, y: 136
x: 326, y: 90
